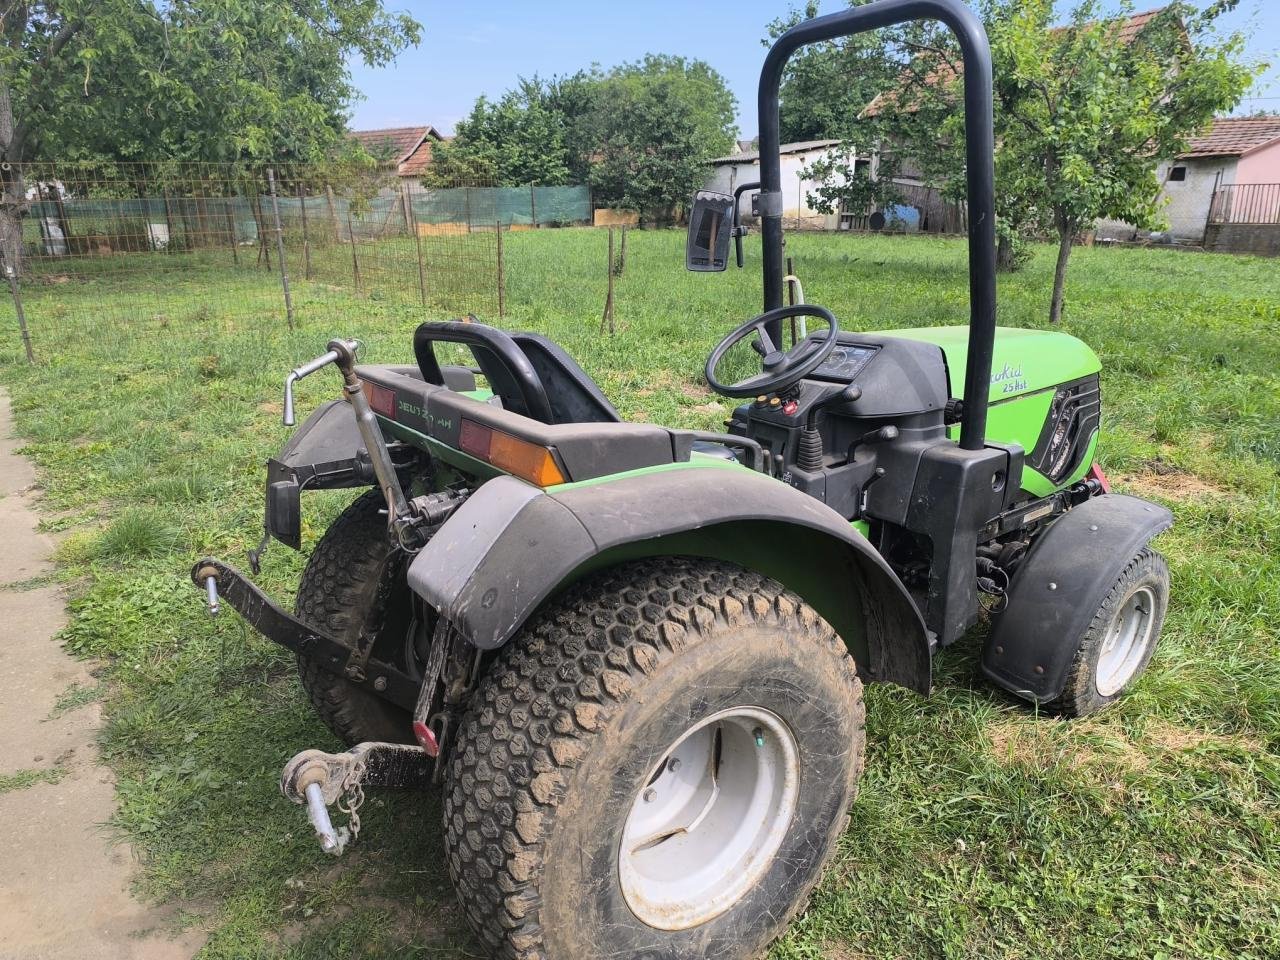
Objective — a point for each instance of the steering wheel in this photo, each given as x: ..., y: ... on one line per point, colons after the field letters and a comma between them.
x: 781, y: 368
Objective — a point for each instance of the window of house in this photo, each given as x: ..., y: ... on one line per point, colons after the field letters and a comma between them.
x: 1177, y: 174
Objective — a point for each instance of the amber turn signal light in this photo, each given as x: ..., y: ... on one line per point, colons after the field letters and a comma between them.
x: 520, y: 458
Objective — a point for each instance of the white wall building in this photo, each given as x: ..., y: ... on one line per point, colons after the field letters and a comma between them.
x: 1237, y: 153
x: 744, y: 167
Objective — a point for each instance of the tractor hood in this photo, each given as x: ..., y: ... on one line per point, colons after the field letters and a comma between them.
x: 1024, y: 361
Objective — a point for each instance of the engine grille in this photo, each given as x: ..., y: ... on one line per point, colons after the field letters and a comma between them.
x: 1071, y: 423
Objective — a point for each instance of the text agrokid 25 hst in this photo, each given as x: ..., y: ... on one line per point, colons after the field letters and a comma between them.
x: 634, y: 656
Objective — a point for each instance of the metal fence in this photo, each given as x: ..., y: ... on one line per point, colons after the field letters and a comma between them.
x: 1246, y: 203
x: 136, y: 249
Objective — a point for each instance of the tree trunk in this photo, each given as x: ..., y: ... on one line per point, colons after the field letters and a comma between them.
x: 1004, y: 253
x: 1065, y: 235
x: 13, y: 201
x: 12, y: 209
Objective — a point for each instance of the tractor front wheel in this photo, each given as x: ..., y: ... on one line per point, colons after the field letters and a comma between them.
x: 1120, y: 640
x: 658, y: 766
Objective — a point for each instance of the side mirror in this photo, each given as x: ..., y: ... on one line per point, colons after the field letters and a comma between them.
x: 710, y: 230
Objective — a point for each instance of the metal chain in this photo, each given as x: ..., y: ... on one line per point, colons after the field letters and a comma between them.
x: 352, y: 796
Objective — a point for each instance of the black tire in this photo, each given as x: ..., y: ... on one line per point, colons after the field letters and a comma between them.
x: 1082, y: 695
x: 354, y: 586
x: 567, y: 725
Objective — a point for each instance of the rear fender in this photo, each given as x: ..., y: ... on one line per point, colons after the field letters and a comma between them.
x: 511, y: 546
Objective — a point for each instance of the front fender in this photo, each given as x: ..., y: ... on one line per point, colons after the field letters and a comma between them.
x: 511, y: 546
x: 1058, y: 588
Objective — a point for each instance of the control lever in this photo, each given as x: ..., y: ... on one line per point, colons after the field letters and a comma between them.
x: 306, y: 370
x: 881, y: 435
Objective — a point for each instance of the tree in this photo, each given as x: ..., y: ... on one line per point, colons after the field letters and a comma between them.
x: 826, y: 86
x: 214, y: 80
x: 829, y: 91
x: 659, y: 121
x: 640, y: 134
x: 1086, y: 111
x: 517, y: 140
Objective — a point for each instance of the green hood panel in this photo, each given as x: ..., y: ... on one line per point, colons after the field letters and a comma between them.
x: 1024, y: 361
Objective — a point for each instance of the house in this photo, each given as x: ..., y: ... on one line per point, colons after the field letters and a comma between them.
x: 406, y: 150
x: 1230, y: 174
x: 744, y: 167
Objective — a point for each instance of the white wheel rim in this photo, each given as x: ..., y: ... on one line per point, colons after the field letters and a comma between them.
x: 1126, y: 642
x: 711, y: 816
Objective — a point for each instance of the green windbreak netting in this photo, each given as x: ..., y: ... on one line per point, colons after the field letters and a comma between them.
x: 169, y: 222
x: 485, y: 206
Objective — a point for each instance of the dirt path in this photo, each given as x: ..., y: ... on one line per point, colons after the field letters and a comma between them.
x: 64, y: 887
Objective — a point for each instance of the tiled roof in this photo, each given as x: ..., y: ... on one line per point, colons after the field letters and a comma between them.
x: 751, y: 156
x: 396, y: 143
x: 1235, y: 136
x: 416, y: 162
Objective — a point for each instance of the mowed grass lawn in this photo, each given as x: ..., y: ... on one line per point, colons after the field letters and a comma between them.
x: 1152, y: 830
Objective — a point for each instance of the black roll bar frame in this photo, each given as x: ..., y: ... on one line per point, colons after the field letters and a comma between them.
x: 980, y: 162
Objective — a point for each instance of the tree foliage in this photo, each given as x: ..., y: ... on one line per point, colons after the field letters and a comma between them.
x: 640, y: 134
x: 213, y: 80
x: 1084, y: 110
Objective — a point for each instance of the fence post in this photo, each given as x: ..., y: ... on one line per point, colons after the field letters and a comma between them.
x: 533, y: 209
x: 264, y: 252
x: 607, y: 316
x: 355, y: 264
x: 306, y: 239
x: 622, y: 254
x: 17, y: 306
x: 502, y: 276
x: 411, y: 219
x: 284, y: 269
x: 231, y: 232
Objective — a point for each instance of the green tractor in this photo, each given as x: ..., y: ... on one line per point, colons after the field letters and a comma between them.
x: 633, y: 657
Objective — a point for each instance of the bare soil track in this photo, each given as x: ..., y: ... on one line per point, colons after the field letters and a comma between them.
x: 65, y: 886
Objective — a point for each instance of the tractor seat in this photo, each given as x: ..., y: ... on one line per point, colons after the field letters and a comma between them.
x: 531, y: 374
x: 573, y: 395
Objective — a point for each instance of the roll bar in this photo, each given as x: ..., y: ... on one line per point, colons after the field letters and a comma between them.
x: 980, y: 161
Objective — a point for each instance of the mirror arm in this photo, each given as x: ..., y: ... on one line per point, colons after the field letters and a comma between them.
x: 739, y: 231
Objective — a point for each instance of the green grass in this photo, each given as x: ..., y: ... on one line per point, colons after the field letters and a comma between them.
x: 981, y: 830
x: 22, y: 779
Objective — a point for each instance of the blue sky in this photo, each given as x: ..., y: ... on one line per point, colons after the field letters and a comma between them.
x: 483, y: 46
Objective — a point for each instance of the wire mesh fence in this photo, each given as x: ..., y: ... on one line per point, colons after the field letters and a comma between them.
x: 130, y: 250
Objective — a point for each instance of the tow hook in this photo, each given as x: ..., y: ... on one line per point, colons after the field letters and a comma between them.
x: 209, y: 577
x: 319, y: 780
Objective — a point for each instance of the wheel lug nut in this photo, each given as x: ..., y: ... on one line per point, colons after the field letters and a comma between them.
x: 673, y: 764
x: 650, y: 795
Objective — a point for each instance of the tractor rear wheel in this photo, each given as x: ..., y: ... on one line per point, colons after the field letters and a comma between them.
x: 354, y: 588
x: 659, y: 765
